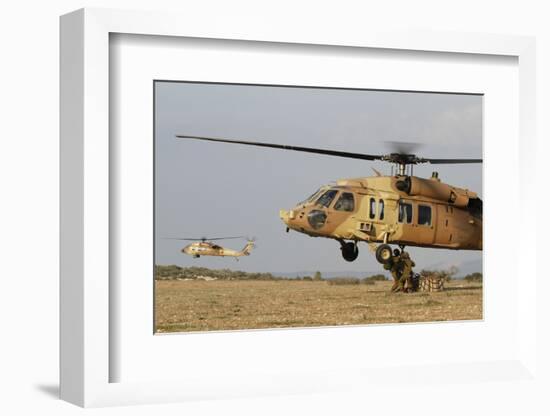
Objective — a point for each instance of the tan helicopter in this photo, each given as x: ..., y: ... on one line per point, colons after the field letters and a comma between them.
x: 205, y: 247
x: 399, y: 209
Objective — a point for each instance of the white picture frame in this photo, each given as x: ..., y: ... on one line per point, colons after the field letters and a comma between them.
x: 86, y: 355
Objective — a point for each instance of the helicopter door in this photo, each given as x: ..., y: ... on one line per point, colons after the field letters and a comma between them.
x: 340, y: 211
x: 405, y: 219
x: 445, y: 225
x: 424, y: 223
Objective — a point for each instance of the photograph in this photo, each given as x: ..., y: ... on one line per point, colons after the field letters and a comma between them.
x: 284, y: 206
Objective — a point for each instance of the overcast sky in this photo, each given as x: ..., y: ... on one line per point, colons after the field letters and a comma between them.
x: 212, y: 189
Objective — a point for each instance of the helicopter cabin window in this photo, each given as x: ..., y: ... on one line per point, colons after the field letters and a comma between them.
x: 424, y: 215
x: 372, y: 208
x: 405, y: 212
x: 345, y: 202
x: 381, y: 209
x: 325, y: 199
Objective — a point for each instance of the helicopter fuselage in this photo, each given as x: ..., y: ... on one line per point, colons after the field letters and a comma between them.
x: 206, y: 248
x: 403, y: 210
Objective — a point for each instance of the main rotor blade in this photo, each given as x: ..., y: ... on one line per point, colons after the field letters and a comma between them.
x: 287, y: 147
x: 182, y: 239
x: 401, y: 158
x: 451, y: 161
x: 203, y: 239
x: 226, y: 238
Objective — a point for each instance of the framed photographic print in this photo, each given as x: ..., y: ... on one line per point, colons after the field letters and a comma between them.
x: 189, y: 152
x: 218, y: 191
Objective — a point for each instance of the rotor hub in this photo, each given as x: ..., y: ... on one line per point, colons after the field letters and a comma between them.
x: 402, y: 159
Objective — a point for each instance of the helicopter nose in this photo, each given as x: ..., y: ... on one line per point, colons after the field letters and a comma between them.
x: 283, y: 214
x: 290, y: 219
x: 286, y: 216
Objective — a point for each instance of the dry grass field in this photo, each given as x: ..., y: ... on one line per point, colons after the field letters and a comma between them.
x: 197, y: 305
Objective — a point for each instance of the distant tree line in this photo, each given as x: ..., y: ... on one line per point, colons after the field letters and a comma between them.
x: 173, y: 272
x: 370, y: 280
x: 376, y: 278
x: 177, y: 272
x: 474, y: 277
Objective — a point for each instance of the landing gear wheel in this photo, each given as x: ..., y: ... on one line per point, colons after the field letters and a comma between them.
x: 383, y: 253
x: 349, y: 251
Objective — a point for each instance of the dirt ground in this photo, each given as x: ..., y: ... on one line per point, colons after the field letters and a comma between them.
x: 197, y: 305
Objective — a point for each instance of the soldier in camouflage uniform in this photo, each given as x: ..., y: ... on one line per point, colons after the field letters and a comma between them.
x: 394, y: 265
x: 405, y: 265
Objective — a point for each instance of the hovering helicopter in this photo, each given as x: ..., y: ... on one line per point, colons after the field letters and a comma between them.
x: 400, y: 209
x: 205, y: 247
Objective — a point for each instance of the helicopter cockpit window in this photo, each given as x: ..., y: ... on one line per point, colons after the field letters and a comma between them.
x: 327, y: 198
x: 381, y: 209
x: 345, y: 202
x: 405, y: 212
x: 424, y: 215
x: 311, y: 197
x: 372, y: 208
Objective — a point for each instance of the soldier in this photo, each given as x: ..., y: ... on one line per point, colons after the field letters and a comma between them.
x: 394, y: 265
x: 406, y: 266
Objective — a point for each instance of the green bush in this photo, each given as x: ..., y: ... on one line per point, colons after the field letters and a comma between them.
x: 474, y: 277
x: 375, y: 278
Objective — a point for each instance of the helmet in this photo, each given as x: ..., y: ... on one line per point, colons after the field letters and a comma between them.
x: 396, y: 252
